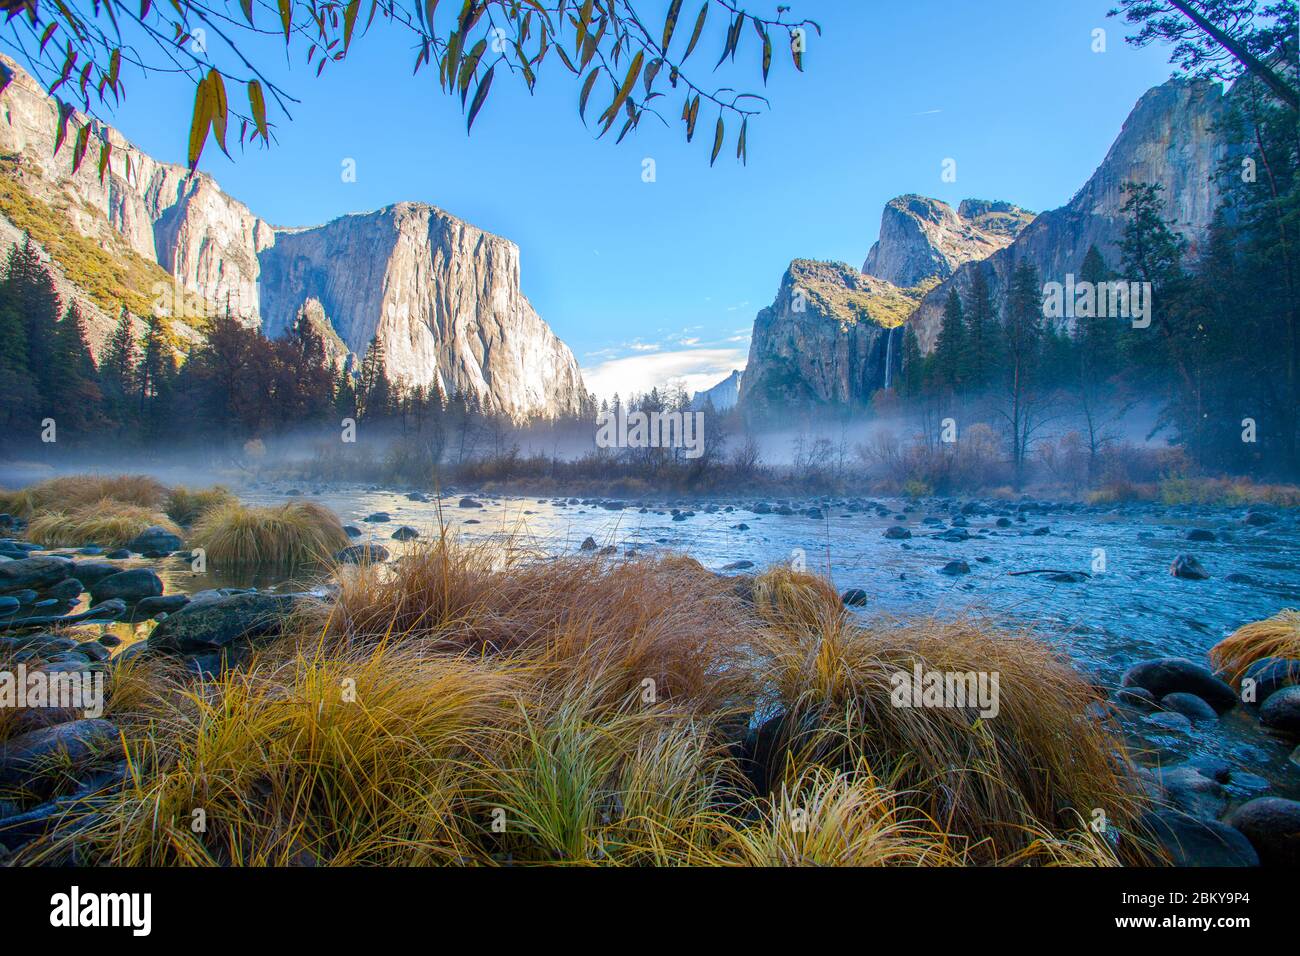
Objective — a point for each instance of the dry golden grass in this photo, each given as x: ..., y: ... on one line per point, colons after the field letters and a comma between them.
x: 72, y: 492
x: 110, y: 523
x: 187, y: 505
x: 297, y: 533
x: 786, y: 598
x: 1279, y: 636
x: 463, y: 706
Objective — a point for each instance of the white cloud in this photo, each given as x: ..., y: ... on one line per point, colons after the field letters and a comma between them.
x: 696, y: 369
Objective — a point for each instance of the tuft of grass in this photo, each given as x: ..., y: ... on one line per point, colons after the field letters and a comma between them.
x: 1279, y: 636
x: 71, y: 492
x: 786, y: 598
x: 108, y: 522
x: 187, y: 505
x: 297, y: 533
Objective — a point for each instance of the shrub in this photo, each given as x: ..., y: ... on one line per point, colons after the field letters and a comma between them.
x: 109, y: 523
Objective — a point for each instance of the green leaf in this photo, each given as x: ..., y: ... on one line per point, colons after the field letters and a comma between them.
x: 105, y: 150
x: 286, y: 16
x: 80, y: 147
x: 479, y: 96
x: 719, y: 134
x: 204, y: 104
x: 625, y: 90
x: 220, y: 108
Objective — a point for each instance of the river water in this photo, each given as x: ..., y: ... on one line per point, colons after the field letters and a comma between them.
x: 1128, y: 609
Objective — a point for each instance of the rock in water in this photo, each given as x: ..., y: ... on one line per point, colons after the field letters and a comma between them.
x: 1189, y: 705
x: 199, y: 627
x: 1186, y: 566
x: 129, y: 586
x: 38, y: 573
x: 1272, y: 824
x: 155, y: 538
x: 405, y: 533
x: 897, y: 533
x: 1169, y: 675
x: 854, y: 597
x: 25, y: 757
x: 1281, y: 711
x: 362, y: 554
x: 1192, y: 842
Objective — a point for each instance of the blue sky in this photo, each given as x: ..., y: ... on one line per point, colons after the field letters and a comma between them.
x: 648, y: 281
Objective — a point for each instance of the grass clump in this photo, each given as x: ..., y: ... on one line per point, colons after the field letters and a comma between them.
x: 109, y: 523
x: 1279, y: 636
x: 187, y: 505
x: 71, y: 492
x: 293, y: 534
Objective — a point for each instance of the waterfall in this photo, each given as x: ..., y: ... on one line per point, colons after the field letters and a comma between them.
x: 889, y: 356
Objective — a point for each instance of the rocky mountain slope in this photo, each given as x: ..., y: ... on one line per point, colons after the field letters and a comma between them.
x: 922, y: 238
x: 443, y: 297
x: 722, y: 396
x: 831, y: 338
x: 1169, y: 139
x: 843, y: 350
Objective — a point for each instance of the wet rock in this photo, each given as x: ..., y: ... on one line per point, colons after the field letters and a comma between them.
x: 1272, y: 825
x: 1192, y: 792
x: 69, y: 589
x: 468, y: 502
x: 352, y: 531
x: 954, y: 535
x: 1067, y: 577
x: 24, y: 758
x: 155, y: 538
x: 106, y: 611
x: 1201, y: 534
x: 109, y: 640
x: 1170, y: 720
x: 897, y: 533
x: 133, y: 585
x: 1189, y: 705
x: 1215, y: 768
x: 1187, y: 567
x: 955, y: 568
x: 89, y: 572
x: 8, y: 605
x: 1281, y: 711
x: 405, y: 533
x: 37, y: 573
x: 1272, y: 674
x: 1258, y: 519
x: 117, y: 554
x: 588, y: 544
x: 1168, y: 675
x: 1191, y: 842
x: 370, y: 553
x: 854, y: 597
x: 741, y: 527
x: 1138, y: 697
x: 1003, y: 522
x: 1236, y: 577
x: 738, y: 565
x: 379, y: 517
x: 163, y: 604
x: 93, y: 650
x: 252, y: 618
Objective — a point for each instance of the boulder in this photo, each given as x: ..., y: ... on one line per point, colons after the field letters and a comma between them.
x: 1169, y: 675
x: 1201, y: 534
x: 1187, y: 567
x: 362, y: 554
x: 1192, y: 792
x: 1271, y: 674
x: 130, y: 586
x: 88, y: 572
x: 468, y: 502
x: 252, y: 617
x: 1189, y: 705
x: 69, y: 589
x: 155, y: 538
x: 1272, y: 825
x: 162, y: 604
x: 1191, y: 842
x: 405, y: 533
x: 37, y: 573
x: 897, y: 533
x: 588, y: 544
x: 955, y: 568
x: 854, y: 597
x: 1281, y: 711
x: 73, y: 744
x: 738, y: 565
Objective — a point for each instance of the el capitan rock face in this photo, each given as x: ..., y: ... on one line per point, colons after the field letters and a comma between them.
x: 923, y: 238
x: 443, y: 296
x: 1169, y: 138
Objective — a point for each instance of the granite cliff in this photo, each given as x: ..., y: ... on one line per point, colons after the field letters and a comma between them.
x: 443, y: 297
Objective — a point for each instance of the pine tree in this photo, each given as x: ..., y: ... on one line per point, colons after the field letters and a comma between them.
x: 912, y: 380
x: 981, y: 332
x: 374, y: 392
x: 950, y: 349
x: 75, y: 400
x: 1022, y: 335
x: 29, y: 288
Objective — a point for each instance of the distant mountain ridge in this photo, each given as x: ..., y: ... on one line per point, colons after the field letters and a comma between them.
x: 849, y: 344
x: 442, y: 296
